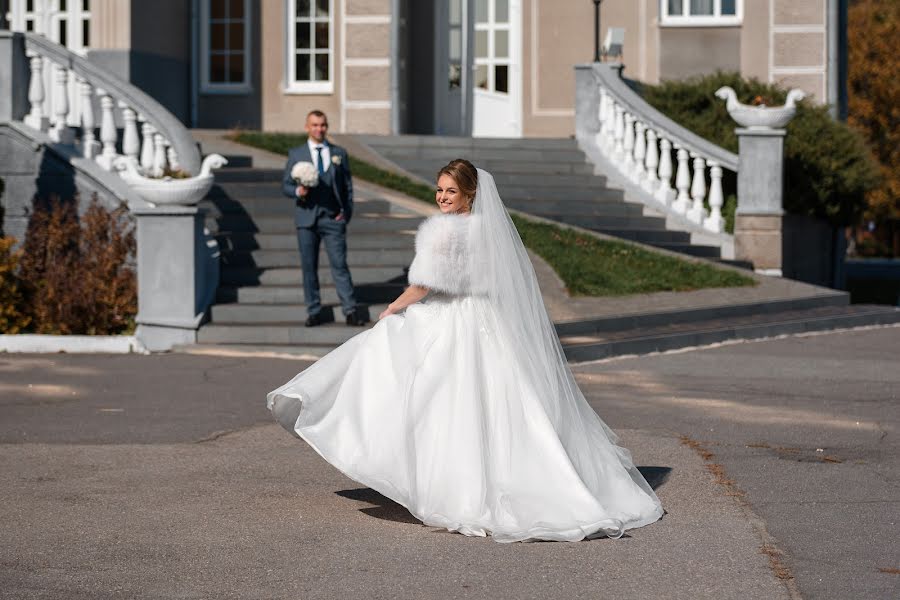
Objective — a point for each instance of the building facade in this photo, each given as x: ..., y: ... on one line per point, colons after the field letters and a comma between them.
x: 501, y: 68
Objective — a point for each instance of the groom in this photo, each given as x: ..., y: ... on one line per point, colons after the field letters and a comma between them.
x: 322, y: 214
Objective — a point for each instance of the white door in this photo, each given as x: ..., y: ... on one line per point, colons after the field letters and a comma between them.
x: 66, y: 22
x: 497, y: 102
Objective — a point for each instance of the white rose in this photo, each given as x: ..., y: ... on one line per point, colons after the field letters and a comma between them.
x: 305, y: 173
x: 335, y: 160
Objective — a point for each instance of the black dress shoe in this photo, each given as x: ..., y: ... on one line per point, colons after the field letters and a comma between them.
x: 355, y: 319
x: 313, y: 320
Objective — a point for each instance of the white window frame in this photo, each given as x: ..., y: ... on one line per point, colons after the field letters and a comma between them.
x: 209, y: 87
x: 291, y: 85
x: 492, y: 61
x: 714, y: 20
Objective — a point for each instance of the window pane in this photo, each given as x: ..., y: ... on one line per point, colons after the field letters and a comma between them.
x: 236, y: 36
x: 501, y: 43
x: 62, y: 5
x: 29, y: 25
x: 86, y: 32
x: 236, y: 68
x: 236, y: 9
x: 675, y: 8
x: 481, y: 11
x: 217, y: 9
x: 501, y: 11
x: 217, y: 68
x: 481, y: 44
x: 455, y: 12
x: 302, y: 70
x: 217, y: 36
x: 456, y: 43
x: 455, y: 76
x: 303, y: 37
x: 29, y: 6
x: 322, y: 35
x: 481, y: 77
x: 63, y: 38
x: 322, y: 67
x: 321, y: 8
x: 729, y: 8
x: 303, y: 8
x: 701, y: 7
x: 86, y: 5
x: 500, y: 78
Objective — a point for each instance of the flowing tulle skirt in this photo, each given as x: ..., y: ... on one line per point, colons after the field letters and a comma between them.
x: 431, y: 410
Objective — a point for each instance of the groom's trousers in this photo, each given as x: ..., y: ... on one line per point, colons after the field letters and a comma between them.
x: 334, y: 234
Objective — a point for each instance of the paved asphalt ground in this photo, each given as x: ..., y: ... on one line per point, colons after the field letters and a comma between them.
x: 162, y: 477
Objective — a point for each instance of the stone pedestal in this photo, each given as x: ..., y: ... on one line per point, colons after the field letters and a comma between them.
x: 759, y: 223
x: 175, y: 275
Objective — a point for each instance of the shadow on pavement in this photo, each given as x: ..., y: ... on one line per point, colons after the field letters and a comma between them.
x: 656, y: 476
x: 384, y: 508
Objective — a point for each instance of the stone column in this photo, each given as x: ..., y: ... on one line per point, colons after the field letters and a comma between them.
x: 174, y: 278
x: 15, y: 74
x: 759, y: 218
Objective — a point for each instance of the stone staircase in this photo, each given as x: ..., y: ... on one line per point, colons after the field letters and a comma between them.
x: 259, y: 302
x: 550, y: 178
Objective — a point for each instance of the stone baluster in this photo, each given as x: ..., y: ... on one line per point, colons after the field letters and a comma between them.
x: 682, y: 182
x: 147, y: 132
x: 697, y: 212
x: 61, y: 132
x: 665, y: 193
x: 714, y: 222
x: 619, y: 146
x: 640, y: 152
x: 131, y: 144
x: 36, y: 94
x: 90, y: 147
x: 174, y: 165
x: 609, y: 126
x: 601, y: 116
x: 628, y: 145
x: 159, y: 156
x: 108, y: 133
x: 651, y: 162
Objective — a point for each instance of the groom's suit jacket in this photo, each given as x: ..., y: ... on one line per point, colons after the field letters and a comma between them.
x: 319, y: 201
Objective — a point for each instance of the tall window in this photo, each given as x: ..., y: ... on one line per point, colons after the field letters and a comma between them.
x: 701, y: 12
x: 310, y: 61
x: 226, y: 43
x: 492, y: 45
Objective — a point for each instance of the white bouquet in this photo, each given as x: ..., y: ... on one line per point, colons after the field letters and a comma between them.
x: 305, y: 174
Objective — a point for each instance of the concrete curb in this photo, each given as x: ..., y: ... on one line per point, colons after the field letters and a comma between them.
x: 71, y: 344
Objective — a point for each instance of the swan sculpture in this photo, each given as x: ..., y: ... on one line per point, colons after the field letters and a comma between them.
x: 760, y: 117
x: 170, y: 191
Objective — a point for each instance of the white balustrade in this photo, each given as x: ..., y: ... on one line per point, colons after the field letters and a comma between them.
x: 664, y: 193
x: 715, y: 222
x: 628, y: 146
x: 36, y: 94
x: 147, y: 131
x: 618, y: 145
x: 682, y: 182
x: 697, y: 212
x: 173, y: 159
x: 61, y: 132
x: 651, y: 162
x: 601, y: 116
x: 640, y: 152
x: 90, y: 147
x: 131, y: 144
x: 159, y: 156
x: 108, y: 133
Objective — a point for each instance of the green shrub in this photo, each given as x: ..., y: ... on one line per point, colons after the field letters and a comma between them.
x: 828, y: 168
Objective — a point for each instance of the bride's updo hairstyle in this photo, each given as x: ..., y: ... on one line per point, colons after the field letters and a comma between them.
x: 465, y: 176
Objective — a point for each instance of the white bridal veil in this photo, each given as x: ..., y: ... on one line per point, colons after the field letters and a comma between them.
x: 500, y: 263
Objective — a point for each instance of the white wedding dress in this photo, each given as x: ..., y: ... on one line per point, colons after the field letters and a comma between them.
x: 444, y: 410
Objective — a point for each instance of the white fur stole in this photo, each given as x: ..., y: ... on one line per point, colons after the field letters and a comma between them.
x: 442, y: 254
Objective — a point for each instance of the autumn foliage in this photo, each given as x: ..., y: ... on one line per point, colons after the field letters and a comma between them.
x: 874, y: 97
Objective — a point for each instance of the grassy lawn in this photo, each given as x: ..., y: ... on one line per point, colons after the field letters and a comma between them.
x: 587, y: 265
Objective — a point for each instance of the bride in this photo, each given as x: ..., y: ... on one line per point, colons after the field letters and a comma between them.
x: 459, y: 403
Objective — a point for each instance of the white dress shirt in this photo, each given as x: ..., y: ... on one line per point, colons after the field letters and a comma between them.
x: 326, y: 153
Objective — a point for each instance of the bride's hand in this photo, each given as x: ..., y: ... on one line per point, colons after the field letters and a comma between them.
x: 386, y: 313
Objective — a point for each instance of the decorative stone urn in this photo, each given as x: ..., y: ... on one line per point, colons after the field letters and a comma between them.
x: 760, y: 117
x: 168, y: 190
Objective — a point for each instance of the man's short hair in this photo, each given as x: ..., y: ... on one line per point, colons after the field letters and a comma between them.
x: 316, y: 113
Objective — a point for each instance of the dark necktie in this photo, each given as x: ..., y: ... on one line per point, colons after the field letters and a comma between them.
x: 321, y: 163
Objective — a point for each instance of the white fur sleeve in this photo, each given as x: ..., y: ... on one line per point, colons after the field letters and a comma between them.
x: 441, y: 261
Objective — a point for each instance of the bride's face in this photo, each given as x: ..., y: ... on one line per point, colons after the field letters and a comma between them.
x: 448, y: 196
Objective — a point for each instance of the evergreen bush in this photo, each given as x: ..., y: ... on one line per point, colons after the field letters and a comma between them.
x: 828, y: 167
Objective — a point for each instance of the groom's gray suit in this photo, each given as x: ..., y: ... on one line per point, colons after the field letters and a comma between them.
x: 314, y: 217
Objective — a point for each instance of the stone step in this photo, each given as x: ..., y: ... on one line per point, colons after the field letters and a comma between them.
x: 652, y: 237
x: 542, y: 181
x: 464, y: 143
x: 291, y: 294
x: 268, y: 224
x: 246, y: 314
x: 272, y: 205
x: 290, y: 258
x: 478, y: 155
x: 611, y: 223
x: 241, y: 276
x: 245, y: 240
x: 511, y: 193
x: 243, y: 175
x: 428, y: 168
x: 689, y: 249
x: 287, y: 333
x: 662, y: 337
x: 552, y: 209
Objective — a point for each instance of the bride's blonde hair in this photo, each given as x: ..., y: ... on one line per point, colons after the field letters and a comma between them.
x: 464, y: 174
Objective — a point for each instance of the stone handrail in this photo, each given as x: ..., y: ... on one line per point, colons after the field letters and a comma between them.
x: 675, y: 170
x: 165, y: 140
